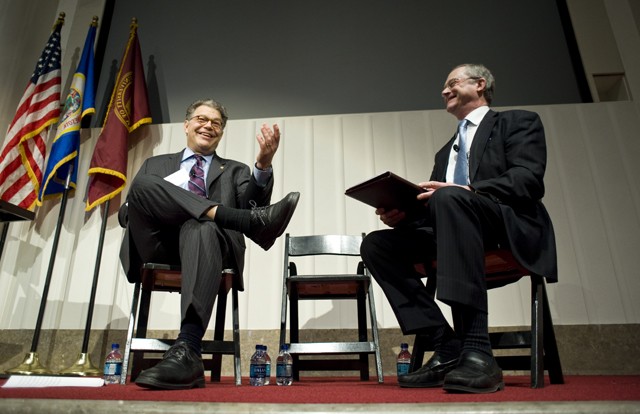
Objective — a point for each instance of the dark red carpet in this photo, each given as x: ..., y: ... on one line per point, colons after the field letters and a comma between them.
x: 341, y: 390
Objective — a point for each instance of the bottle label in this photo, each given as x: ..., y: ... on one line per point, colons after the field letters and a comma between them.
x: 257, y: 370
x: 403, y: 368
x: 113, y: 368
x: 284, y: 370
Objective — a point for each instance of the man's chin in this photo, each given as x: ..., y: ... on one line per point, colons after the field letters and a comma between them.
x: 207, y: 149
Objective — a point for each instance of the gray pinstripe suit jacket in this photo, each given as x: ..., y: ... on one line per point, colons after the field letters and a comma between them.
x: 230, y: 183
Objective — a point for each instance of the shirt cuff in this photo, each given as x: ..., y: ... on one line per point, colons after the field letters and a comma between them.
x: 262, y: 176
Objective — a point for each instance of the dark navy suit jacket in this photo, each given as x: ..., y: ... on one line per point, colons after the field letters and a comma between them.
x: 507, y: 162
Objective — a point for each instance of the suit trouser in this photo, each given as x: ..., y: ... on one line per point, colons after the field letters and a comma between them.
x: 164, y: 229
x: 457, y: 227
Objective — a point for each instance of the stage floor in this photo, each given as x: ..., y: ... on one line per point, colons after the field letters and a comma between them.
x: 104, y: 407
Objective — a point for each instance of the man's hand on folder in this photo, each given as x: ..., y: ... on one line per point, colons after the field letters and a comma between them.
x: 394, y: 217
x: 431, y: 186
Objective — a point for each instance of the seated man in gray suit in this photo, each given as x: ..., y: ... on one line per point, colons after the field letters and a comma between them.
x: 193, y: 208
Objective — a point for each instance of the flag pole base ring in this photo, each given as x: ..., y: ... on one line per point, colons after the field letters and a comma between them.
x: 82, y: 367
x: 30, y: 366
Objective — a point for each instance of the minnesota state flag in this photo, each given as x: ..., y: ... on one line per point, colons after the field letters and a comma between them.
x: 63, y: 157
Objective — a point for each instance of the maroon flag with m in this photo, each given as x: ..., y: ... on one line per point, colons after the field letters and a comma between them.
x: 128, y: 109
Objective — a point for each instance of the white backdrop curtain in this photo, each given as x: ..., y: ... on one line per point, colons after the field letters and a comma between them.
x: 592, y: 196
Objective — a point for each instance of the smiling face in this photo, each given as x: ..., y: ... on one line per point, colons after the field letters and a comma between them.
x: 463, y: 93
x: 204, y: 129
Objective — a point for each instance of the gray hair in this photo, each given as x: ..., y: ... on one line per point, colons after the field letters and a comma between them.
x: 211, y: 104
x: 476, y: 70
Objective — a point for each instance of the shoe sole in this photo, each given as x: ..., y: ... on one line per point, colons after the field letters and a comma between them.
x: 421, y: 384
x: 462, y: 388
x: 198, y: 383
x: 285, y: 223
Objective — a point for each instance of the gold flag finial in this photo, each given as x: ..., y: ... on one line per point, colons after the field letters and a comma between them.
x: 59, y: 20
x: 94, y: 21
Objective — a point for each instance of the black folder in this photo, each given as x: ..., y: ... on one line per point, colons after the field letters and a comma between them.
x: 387, y: 191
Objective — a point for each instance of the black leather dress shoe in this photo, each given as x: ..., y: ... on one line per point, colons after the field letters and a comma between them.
x: 180, y: 369
x: 476, y: 373
x: 268, y: 223
x: 430, y: 375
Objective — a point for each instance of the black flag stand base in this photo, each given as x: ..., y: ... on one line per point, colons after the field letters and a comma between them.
x: 30, y: 365
x: 82, y: 367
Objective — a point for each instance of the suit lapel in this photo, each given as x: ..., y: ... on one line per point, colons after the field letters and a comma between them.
x: 215, y: 170
x: 480, y: 141
x: 174, y: 161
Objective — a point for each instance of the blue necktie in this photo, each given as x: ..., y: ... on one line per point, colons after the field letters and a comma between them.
x: 196, y: 177
x: 461, y: 172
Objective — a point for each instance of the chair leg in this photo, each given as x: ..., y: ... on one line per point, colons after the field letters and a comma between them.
x: 551, y: 355
x: 236, y: 337
x: 362, y: 332
x: 283, y: 317
x: 374, y: 333
x: 293, y: 331
x: 218, y: 334
x: 141, y: 331
x: 537, y: 356
x: 132, y: 323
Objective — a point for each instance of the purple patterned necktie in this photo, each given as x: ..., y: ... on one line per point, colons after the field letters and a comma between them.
x: 196, y: 177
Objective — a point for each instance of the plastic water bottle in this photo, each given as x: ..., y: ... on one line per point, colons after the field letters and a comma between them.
x: 267, y: 361
x: 113, y: 365
x: 404, y: 360
x: 257, y: 367
x: 284, y: 367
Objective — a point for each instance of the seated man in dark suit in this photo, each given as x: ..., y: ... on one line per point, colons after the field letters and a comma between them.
x: 193, y: 208
x: 484, y: 192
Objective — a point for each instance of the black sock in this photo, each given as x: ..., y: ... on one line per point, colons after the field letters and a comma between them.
x: 475, y: 327
x: 445, y: 342
x: 234, y: 219
x: 191, y: 331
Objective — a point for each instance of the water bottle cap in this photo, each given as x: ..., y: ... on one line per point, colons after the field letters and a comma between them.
x: 404, y: 345
x: 114, y: 345
x: 285, y: 347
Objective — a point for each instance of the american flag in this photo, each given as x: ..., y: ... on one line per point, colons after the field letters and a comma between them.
x: 24, y: 149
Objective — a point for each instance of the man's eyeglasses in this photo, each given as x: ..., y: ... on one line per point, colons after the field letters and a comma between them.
x: 455, y: 81
x: 202, y: 120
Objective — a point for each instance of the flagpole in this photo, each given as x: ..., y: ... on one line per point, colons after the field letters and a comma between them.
x: 3, y: 237
x: 31, y: 363
x: 83, y: 365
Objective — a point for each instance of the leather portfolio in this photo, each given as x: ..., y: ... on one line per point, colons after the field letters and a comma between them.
x: 388, y: 191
